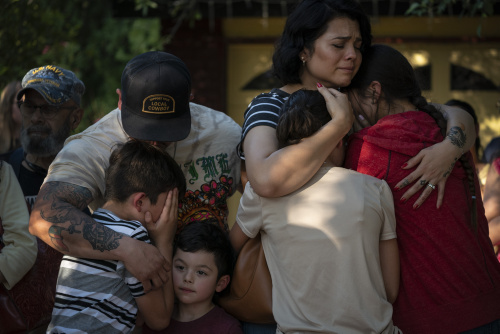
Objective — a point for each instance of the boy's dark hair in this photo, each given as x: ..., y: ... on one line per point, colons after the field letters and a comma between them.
x: 302, y: 115
x: 305, y: 24
x: 207, y: 236
x: 138, y: 166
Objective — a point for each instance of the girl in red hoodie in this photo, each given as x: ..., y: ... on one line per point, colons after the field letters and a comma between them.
x: 450, y: 278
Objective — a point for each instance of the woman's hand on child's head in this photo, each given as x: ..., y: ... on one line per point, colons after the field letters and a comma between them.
x: 338, y: 105
x: 164, y: 229
x: 434, y: 165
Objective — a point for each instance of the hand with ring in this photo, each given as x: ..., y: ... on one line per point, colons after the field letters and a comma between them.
x: 432, y: 166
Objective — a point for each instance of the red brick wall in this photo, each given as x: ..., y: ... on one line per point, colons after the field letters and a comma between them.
x: 204, y: 53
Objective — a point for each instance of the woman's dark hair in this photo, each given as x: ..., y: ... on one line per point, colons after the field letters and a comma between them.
x: 389, y: 67
x: 492, y: 151
x: 138, y: 166
x: 467, y: 107
x: 207, y: 236
x: 301, y: 116
x: 7, y: 123
x: 308, y: 21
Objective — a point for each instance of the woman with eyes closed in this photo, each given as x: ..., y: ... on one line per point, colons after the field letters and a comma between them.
x: 322, y: 45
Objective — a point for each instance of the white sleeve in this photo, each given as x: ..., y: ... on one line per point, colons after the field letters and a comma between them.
x: 249, y: 215
x: 19, y: 253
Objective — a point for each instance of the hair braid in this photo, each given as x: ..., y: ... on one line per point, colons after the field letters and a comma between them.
x: 422, y: 105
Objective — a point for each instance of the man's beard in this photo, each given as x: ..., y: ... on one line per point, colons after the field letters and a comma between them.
x: 48, y: 146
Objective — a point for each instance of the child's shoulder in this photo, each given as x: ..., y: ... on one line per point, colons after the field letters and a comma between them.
x: 226, y: 322
x: 111, y: 220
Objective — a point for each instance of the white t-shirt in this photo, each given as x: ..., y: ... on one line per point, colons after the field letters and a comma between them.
x: 207, y: 157
x: 322, y: 248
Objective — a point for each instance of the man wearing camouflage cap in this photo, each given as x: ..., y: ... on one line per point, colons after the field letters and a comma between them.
x: 50, y: 104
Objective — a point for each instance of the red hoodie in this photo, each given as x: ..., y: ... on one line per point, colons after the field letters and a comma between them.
x: 450, y: 277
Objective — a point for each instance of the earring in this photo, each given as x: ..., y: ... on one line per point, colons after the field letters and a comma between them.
x: 303, y: 61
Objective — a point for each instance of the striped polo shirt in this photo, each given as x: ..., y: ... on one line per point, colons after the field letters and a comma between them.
x: 97, y: 296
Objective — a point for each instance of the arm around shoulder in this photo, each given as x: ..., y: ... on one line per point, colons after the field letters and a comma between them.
x: 275, y: 173
x: 58, y: 220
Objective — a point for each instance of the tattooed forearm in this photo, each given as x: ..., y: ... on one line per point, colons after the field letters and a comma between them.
x: 57, y: 239
x: 77, y: 196
x: 457, y: 136
x: 101, y: 237
x: 64, y: 202
x: 61, y: 204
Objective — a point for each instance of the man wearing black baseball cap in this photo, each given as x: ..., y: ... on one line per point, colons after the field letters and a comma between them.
x: 153, y: 106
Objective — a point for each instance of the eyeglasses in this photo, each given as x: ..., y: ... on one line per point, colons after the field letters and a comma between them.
x: 47, y: 111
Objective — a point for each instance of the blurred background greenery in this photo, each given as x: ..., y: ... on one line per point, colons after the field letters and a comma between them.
x: 79, y: 35
x: 90, y: 38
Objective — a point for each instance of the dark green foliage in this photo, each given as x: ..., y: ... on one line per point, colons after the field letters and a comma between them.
x: 80, y: 35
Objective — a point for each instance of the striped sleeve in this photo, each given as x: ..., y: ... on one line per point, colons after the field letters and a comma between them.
x: 263, y: 111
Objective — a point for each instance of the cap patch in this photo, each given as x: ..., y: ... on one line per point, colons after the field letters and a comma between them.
x: 158, y: 104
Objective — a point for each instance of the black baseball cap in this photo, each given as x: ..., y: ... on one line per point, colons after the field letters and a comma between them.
x: 57, y: 85
x: 156, y: 87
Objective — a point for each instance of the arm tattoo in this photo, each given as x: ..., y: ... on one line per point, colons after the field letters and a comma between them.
x: 450, y: 168
x: 56, y: 237
x: 62, y: 203
x: 101, y: 237
x: 457, y: 136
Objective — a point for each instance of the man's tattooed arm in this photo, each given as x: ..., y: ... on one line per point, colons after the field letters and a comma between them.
x: 57, y: 219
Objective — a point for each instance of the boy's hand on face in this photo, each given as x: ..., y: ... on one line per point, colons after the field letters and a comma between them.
x: 163, y: 230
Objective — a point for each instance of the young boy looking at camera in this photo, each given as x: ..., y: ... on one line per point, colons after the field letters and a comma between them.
x: 201, y: 266
x: 100, y: 296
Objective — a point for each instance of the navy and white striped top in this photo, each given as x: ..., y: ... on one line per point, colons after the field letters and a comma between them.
x: 97, y: 296
x: 262, y: 111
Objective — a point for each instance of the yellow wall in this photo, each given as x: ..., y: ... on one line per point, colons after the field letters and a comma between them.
x: 439, y: 40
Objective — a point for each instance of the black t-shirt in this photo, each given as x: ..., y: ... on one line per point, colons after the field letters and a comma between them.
x: 30, y: 184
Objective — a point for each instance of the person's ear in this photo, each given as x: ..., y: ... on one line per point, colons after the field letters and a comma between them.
x: 222, y: 283
x: 138, y: 201
x: 304, y: 56
x: 75, y: 118
x: 119, y: 92
x: 374, y: 91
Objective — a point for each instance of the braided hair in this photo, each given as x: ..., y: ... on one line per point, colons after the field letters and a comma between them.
x: 389, y: 67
